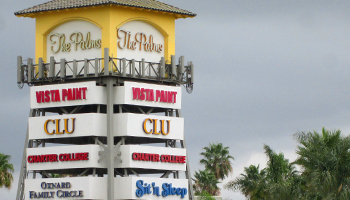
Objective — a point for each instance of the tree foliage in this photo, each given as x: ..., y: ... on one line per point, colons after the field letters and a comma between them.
x: 324, y: 159
x: 6, y: 170
x: 217, y: 160
x: 205, y: 182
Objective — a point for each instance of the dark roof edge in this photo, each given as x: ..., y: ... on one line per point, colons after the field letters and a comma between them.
x: 188, y: 13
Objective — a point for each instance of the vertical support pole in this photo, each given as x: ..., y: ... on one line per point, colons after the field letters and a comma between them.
x: 124, y: 66
x: 188, y: 171
x: 96, y: 67
x: 52, y: 67
x: 173, y: 65
x: 23, y: 169
x: 86, y: 67
x: 75, y: 68
x: 41, y: 68
x: 30, y: 69
x: 106, y: 62
x: 133, y: 68
x: 162, y: 67
x: 143, y: 68
x: 19, y: 70
x: 110, y: 140
x: 63, y: 68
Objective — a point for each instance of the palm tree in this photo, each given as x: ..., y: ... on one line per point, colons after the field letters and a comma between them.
x: 279, y: 180
x: 252, y: 183
x: 325, y: 162
x: 6, y: 170
x: 205, y: 182
x: 217, y: 160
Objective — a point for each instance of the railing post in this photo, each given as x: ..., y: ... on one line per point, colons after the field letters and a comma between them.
x: 52, y: 67
x: 41, y: 68
x: 86, y: 67
x: 106, y: 62
x: 162, y: 67
x: 30, y: 70
x: 133, y: 68
x: 75, y: 68
x: 20, y: 73
x: 63, y: 68
x: 124, y: 66
x: 96, y: 67
x: 143, y: 68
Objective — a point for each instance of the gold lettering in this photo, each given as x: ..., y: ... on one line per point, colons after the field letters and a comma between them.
x: 76, y: 38
x: 45, y: 127
x: 121, y: 34
x: 168, y: 127
x: 155, y: 127
x: 58, y: 127
x: 144, y: 126
x: 56, y: 38
x: 124, y: 40
x: 66, y: 125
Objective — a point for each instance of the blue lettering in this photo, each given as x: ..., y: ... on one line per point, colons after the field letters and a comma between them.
x: 31, y: 194
x: 58, y: 193
x: 155, y: 189
x: 183, y: 192
x: 165, y: 192
x: 139, y: 192
x: 43, y: 185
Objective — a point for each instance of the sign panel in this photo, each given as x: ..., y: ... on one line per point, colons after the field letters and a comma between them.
x: 148, y: 95
x: 66, y: 188
x: 151, y: 188
x: 95, y: 187
x: 148, y: 157
x: 76, y: 39
x: 71, y: 94
x: 64, y: 157
x: 151, y: 126
x: 66, y: 126
x: 138, y: 39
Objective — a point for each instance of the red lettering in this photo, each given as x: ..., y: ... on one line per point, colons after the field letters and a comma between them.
x: 78, y: 93
x: 84, y: 92
x: 142, y: 94
x: 57, y: 95
x: 53, y: 99
x: 135, y: 93
x: 151, y: 95
x: 47, y: 96
x: 170, y: 99
x: 174, y: 95
x: 157, y: 95
x: 74, y: 94
x: 30, y: 159
x: 64, y: 94
x: 69, y: 96
x: 39, y: 96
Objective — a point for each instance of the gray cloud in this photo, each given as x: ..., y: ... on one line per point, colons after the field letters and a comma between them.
x: 264, y: 70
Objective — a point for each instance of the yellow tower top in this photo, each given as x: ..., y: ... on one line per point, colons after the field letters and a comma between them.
x: 78, y: 29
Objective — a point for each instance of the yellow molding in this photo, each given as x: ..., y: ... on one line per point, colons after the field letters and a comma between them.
x: 109, y: 19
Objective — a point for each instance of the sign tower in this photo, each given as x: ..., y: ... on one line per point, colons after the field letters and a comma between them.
x: 105, y: 102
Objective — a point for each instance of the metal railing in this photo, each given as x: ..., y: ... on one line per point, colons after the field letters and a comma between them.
x: 53, y: 71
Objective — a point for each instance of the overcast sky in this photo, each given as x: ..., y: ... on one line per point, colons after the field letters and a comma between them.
x: 264, y: 70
